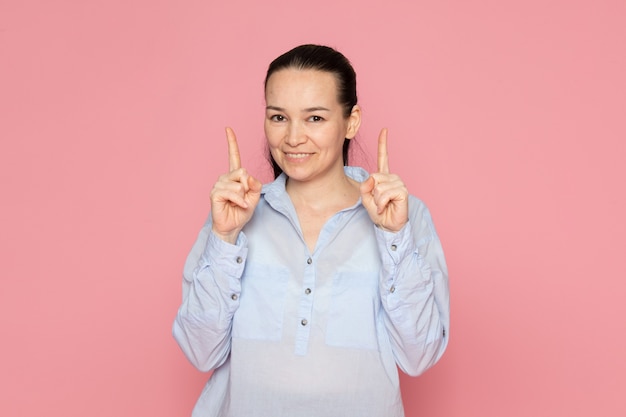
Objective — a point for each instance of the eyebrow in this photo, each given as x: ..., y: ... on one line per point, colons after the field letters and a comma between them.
x: 307, y: 110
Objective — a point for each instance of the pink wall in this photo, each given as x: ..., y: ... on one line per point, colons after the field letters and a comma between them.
x: 506, y: 117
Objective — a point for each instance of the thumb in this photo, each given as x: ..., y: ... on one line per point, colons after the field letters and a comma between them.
x: 367, y: 186
x: 254, y: 184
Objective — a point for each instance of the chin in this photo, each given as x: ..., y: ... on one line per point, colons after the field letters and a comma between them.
x: 297, y: 174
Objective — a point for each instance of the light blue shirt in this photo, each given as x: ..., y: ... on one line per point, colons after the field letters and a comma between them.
x: 289, y: 332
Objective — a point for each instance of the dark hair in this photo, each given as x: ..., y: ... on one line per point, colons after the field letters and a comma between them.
x: 320, y: 58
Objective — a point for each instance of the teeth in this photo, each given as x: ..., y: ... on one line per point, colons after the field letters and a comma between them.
x: 297, y: 155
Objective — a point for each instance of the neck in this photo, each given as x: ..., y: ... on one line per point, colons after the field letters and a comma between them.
x: 339, y: 190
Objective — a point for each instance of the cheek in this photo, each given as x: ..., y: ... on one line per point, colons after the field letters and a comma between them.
x: 273, y: 137
x: 270, y: 133
x: 335, y: 134
x: 336, y: 129
x: 271, y: 141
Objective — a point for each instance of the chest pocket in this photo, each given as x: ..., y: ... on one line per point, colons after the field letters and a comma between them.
x: 262, y: 303
x: 353, y: 311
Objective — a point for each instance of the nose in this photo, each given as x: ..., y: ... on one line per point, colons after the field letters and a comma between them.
x: 295, y: 134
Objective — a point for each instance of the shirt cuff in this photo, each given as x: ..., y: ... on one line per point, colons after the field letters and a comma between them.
x: 395, y: 246
x: 226, y: 257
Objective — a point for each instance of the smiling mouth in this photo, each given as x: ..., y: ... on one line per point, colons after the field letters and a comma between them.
x: 297, y: 155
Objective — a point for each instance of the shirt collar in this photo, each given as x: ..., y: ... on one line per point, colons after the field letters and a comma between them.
x: 277, y: 187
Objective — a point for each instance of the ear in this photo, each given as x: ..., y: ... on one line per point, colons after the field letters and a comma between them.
x: 354, y: 122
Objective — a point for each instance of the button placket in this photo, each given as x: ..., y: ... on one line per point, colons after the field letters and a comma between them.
x: 305, y: 307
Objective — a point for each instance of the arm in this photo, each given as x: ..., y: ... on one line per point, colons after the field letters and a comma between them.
x: 414, y: 278
x: 212, y: 275
x: 414, y: 291
x: 211, y: 289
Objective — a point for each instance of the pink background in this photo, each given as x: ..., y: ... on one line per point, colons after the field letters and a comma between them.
x: 506, y: 117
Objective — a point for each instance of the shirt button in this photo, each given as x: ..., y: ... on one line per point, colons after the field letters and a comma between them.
x: 304, y: 322
x: 239, y: 259
x: 309, y: 261
x: 394, y: 247
x: 392, y: 289
x: 307, y: 291
x: 234, y: 297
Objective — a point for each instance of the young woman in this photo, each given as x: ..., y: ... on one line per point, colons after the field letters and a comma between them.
x: 304, y: 295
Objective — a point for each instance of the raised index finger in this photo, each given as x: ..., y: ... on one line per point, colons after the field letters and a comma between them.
x: 383, y: 156
x: 234, y: 160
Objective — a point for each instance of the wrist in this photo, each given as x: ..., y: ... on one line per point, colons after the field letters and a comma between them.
x: 230, y: 237
x: 391, y: 230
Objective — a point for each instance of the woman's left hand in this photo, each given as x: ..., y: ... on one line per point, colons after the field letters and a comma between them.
x: 384, y: 195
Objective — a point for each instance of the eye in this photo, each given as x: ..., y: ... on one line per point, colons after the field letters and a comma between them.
x: 277, y: 118
x: 316, y: 118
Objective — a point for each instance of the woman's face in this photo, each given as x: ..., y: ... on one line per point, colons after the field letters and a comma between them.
x: 305, y: 124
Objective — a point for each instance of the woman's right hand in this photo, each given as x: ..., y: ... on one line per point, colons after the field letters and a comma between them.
x: 234, y: 195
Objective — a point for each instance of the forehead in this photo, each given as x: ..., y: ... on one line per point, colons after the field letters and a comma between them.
x: 302, y: 85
